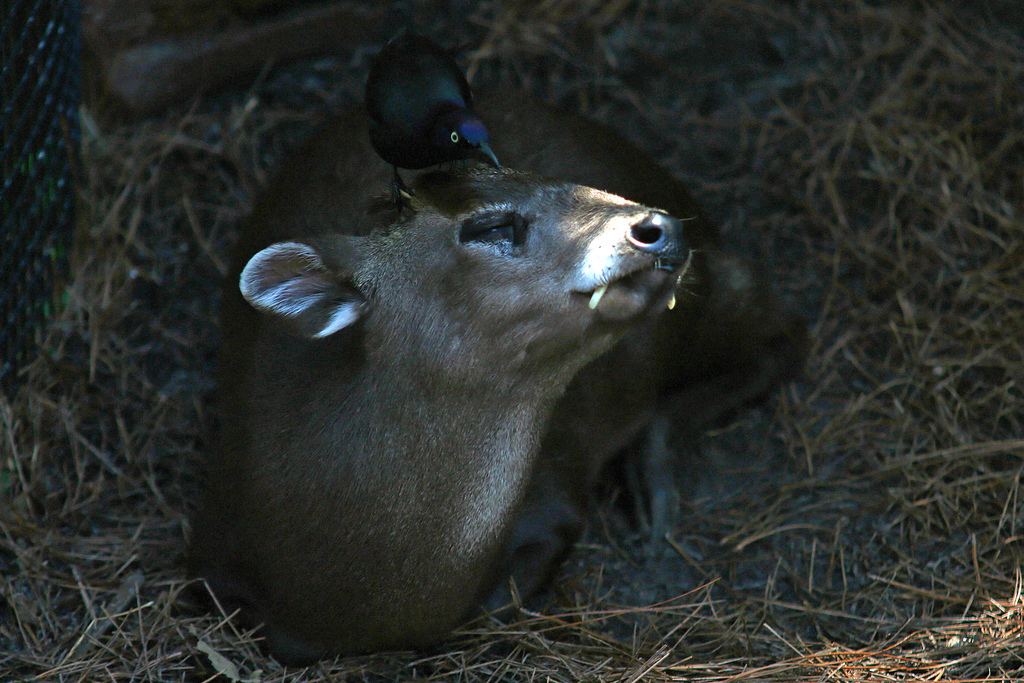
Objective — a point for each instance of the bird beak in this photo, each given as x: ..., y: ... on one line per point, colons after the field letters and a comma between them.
x: 486, y: 149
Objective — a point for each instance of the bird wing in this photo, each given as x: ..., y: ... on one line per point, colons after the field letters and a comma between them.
x: 409, y: 80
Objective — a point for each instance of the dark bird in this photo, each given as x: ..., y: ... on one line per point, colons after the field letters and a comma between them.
x: 421, y: 107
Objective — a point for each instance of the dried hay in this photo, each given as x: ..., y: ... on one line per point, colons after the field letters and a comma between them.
x: 866, y: 525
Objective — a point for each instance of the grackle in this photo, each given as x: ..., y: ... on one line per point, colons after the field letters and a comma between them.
x: 421, y: 108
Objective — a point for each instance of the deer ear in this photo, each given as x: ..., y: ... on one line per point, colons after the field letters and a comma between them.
x: 290, y: 280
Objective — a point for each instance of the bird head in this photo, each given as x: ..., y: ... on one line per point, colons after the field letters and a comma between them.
x: 464, y: 132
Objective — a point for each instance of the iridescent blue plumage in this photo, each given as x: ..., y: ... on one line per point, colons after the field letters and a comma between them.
x: 421, y: 107
x: 473, y: 131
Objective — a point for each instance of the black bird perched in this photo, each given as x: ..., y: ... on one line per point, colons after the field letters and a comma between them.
x: 421, y: 107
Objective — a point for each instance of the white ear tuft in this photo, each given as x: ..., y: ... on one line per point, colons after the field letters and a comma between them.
x: 290, y: 279
x: 343, y: 315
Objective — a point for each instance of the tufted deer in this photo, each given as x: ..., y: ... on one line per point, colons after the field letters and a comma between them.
x: 415, y: 408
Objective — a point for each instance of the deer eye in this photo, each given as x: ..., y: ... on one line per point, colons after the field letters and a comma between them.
x: 508, y: 229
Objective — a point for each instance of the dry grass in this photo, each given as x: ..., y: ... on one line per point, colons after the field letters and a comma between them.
x: 873, y: 152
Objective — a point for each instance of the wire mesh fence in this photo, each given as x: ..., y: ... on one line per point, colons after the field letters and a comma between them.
x: 39, y: 92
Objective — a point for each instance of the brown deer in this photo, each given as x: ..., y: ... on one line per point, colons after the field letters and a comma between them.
x: 415, y: 407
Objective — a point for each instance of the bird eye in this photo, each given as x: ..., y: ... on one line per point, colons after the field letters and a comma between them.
x: 455, y: 136
x: 505, y: 230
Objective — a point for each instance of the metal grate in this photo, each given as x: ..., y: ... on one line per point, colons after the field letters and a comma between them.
x: 39, y: 91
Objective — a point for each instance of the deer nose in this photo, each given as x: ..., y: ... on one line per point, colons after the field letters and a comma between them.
x: 658, y: 234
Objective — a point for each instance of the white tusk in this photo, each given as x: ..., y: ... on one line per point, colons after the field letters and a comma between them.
x: 672, y: 302
x: 595, y: 298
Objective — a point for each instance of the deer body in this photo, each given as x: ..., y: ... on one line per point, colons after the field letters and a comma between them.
x: 387, y: 448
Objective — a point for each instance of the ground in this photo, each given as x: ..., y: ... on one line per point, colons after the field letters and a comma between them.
x: 864, y: 523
